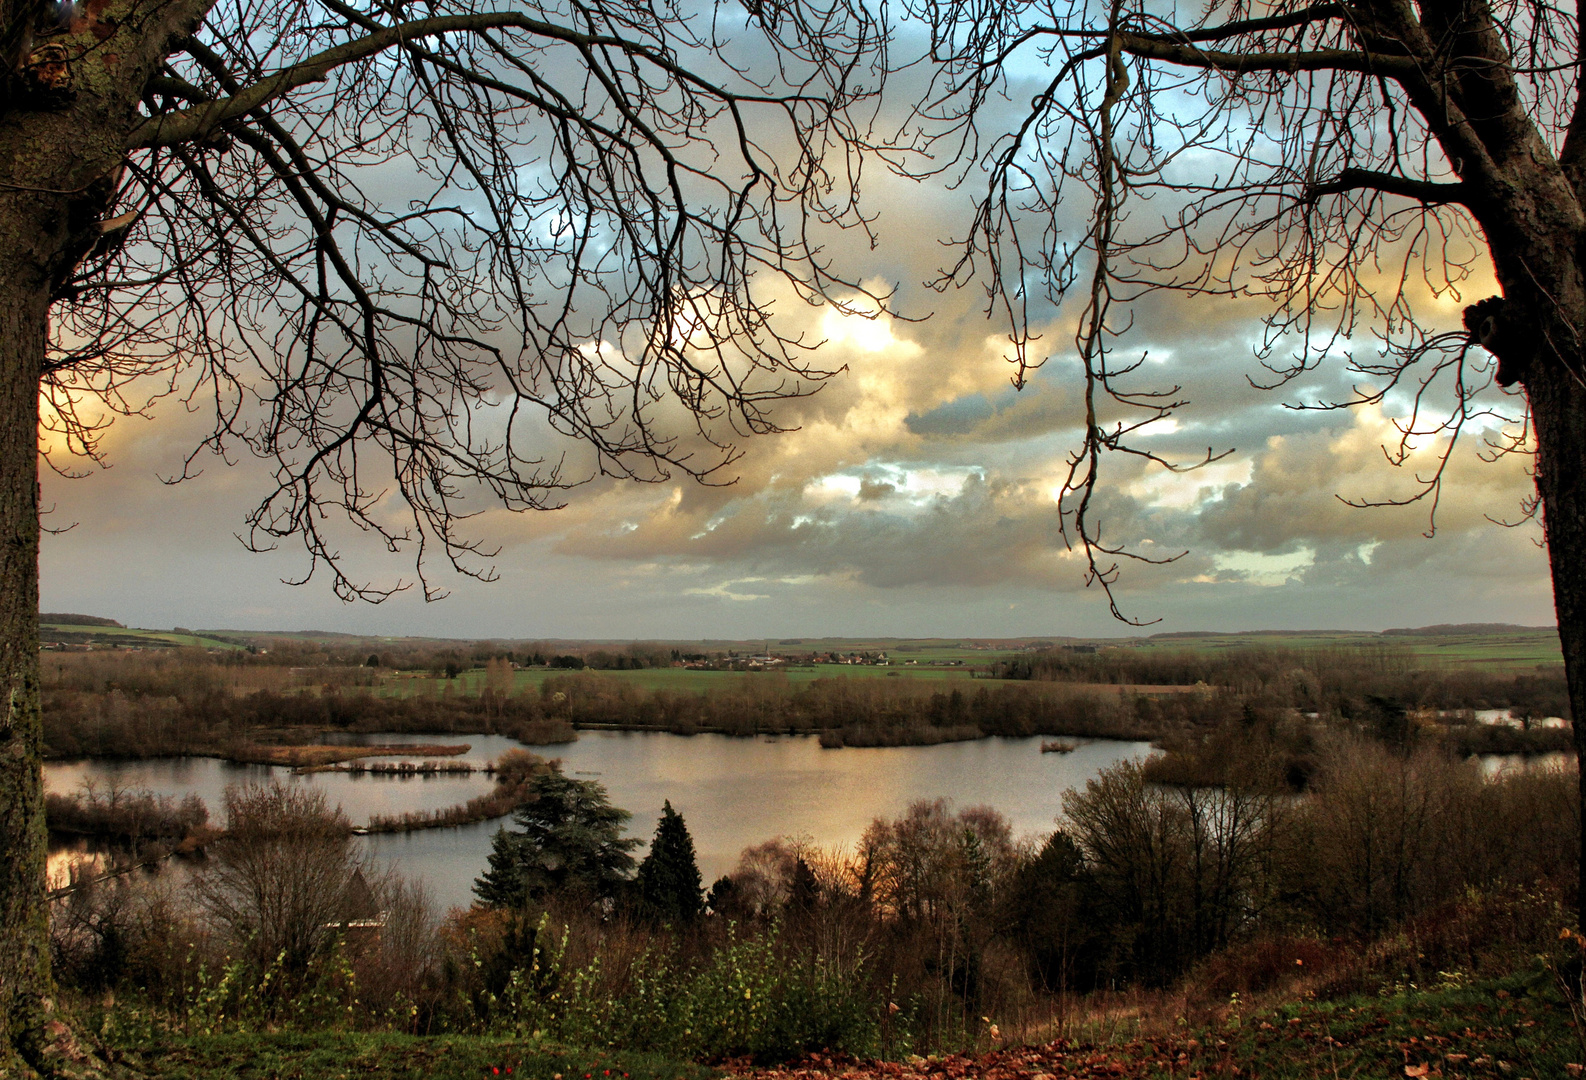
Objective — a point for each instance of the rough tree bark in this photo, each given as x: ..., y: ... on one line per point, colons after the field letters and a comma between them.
x: 24, y: 967
x: 1558, y: 404
x: 32, y: 1040
x: 67, y: 110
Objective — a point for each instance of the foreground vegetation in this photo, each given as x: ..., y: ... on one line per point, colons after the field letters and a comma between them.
x: 1398, y: 868
x: 1517, y: 1026
x: 324, y: 1055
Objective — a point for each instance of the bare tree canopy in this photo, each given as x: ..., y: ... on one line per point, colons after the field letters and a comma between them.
x: 1347, y: 163
x: 387, y: 246
x: 408, y: 255
x: 1343, y: 162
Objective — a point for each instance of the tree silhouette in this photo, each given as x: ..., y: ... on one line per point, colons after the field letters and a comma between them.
x: 419, y: 258
x: 280, y: 878
x: 669, y: 881
x: 1350, y: 164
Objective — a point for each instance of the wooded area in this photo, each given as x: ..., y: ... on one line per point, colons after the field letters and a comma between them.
x: 147, y: 704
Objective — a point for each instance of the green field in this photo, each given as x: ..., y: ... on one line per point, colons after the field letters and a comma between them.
x: 680, y: 679
x: 131, y: 637
x: 1515, y: 648
x: 1491, y: 647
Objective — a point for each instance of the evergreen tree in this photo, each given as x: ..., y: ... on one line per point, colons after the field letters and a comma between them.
x: 571, y: 838
x: 804, y: 891
x: 503, y: 885
x: 723, y: 898
x: 669, y: 881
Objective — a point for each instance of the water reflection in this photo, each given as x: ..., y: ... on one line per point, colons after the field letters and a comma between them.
x: 733, y: 791
x: 1495, y: 765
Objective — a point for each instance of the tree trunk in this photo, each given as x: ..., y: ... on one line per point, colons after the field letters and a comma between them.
x: 63, y: 130
x: 39, y: 229
x: 1558, y: 407
x: 24, y: 956
x: 32, y: 1040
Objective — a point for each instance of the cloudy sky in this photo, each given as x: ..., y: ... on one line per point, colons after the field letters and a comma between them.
x: 915, y: 497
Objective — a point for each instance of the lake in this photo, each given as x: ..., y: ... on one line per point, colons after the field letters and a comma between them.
x: 732, y: 791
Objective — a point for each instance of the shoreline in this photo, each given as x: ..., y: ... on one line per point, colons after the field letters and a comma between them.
x: 91, y: 816
x: 1468, y: 740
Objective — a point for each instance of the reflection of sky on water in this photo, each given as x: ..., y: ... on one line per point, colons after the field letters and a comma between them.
x: 733, y: 792
x: 359, y: 795
x: 736, y: 792
x: 1493, y: 765
x: 64, y: 855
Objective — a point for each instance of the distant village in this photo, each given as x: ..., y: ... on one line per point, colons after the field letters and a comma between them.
x: 734, y: 662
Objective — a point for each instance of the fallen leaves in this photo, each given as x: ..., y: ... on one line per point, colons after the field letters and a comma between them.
x: 1060, y: 1060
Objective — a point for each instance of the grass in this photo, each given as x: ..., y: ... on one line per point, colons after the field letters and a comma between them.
x: 131, y: 637
x: 1517, y: 1027
x: 1509, y: 1029
x: 345, y: 1055
x: 1516, y: 649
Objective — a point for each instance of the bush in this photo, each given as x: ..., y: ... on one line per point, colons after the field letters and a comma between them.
x: 284, y: 875
x: 126, y: 816
x: 750, y: 997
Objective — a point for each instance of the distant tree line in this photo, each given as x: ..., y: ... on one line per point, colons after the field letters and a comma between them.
x: 1335, y: 681
x: 852, y: 711
x: 201, y: 715
x: 187, y: 701
x: 891, y: 712
x: 61, y: 618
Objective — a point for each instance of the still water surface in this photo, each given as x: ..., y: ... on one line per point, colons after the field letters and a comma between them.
x: 733, y: 792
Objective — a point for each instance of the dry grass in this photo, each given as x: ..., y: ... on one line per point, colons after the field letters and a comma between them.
x: 315, y: 757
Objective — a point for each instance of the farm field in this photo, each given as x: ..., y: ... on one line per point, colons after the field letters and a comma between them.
x: 132, y: 637
x: 1510, y: 647
x: 1491, y: 647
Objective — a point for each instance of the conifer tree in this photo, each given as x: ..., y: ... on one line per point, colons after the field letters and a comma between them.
x: 669, y: 881
x: 571, y: 838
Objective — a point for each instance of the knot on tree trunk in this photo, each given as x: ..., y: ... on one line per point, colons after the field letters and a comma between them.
x: 1497, y: 326
x: 90, y: 234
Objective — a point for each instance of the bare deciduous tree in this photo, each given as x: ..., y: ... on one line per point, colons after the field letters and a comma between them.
x: 1176, y: 872
x: 397, y: 250
x: 281, y: 879
x: 1345, y: 162
x: 1388, y: 831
